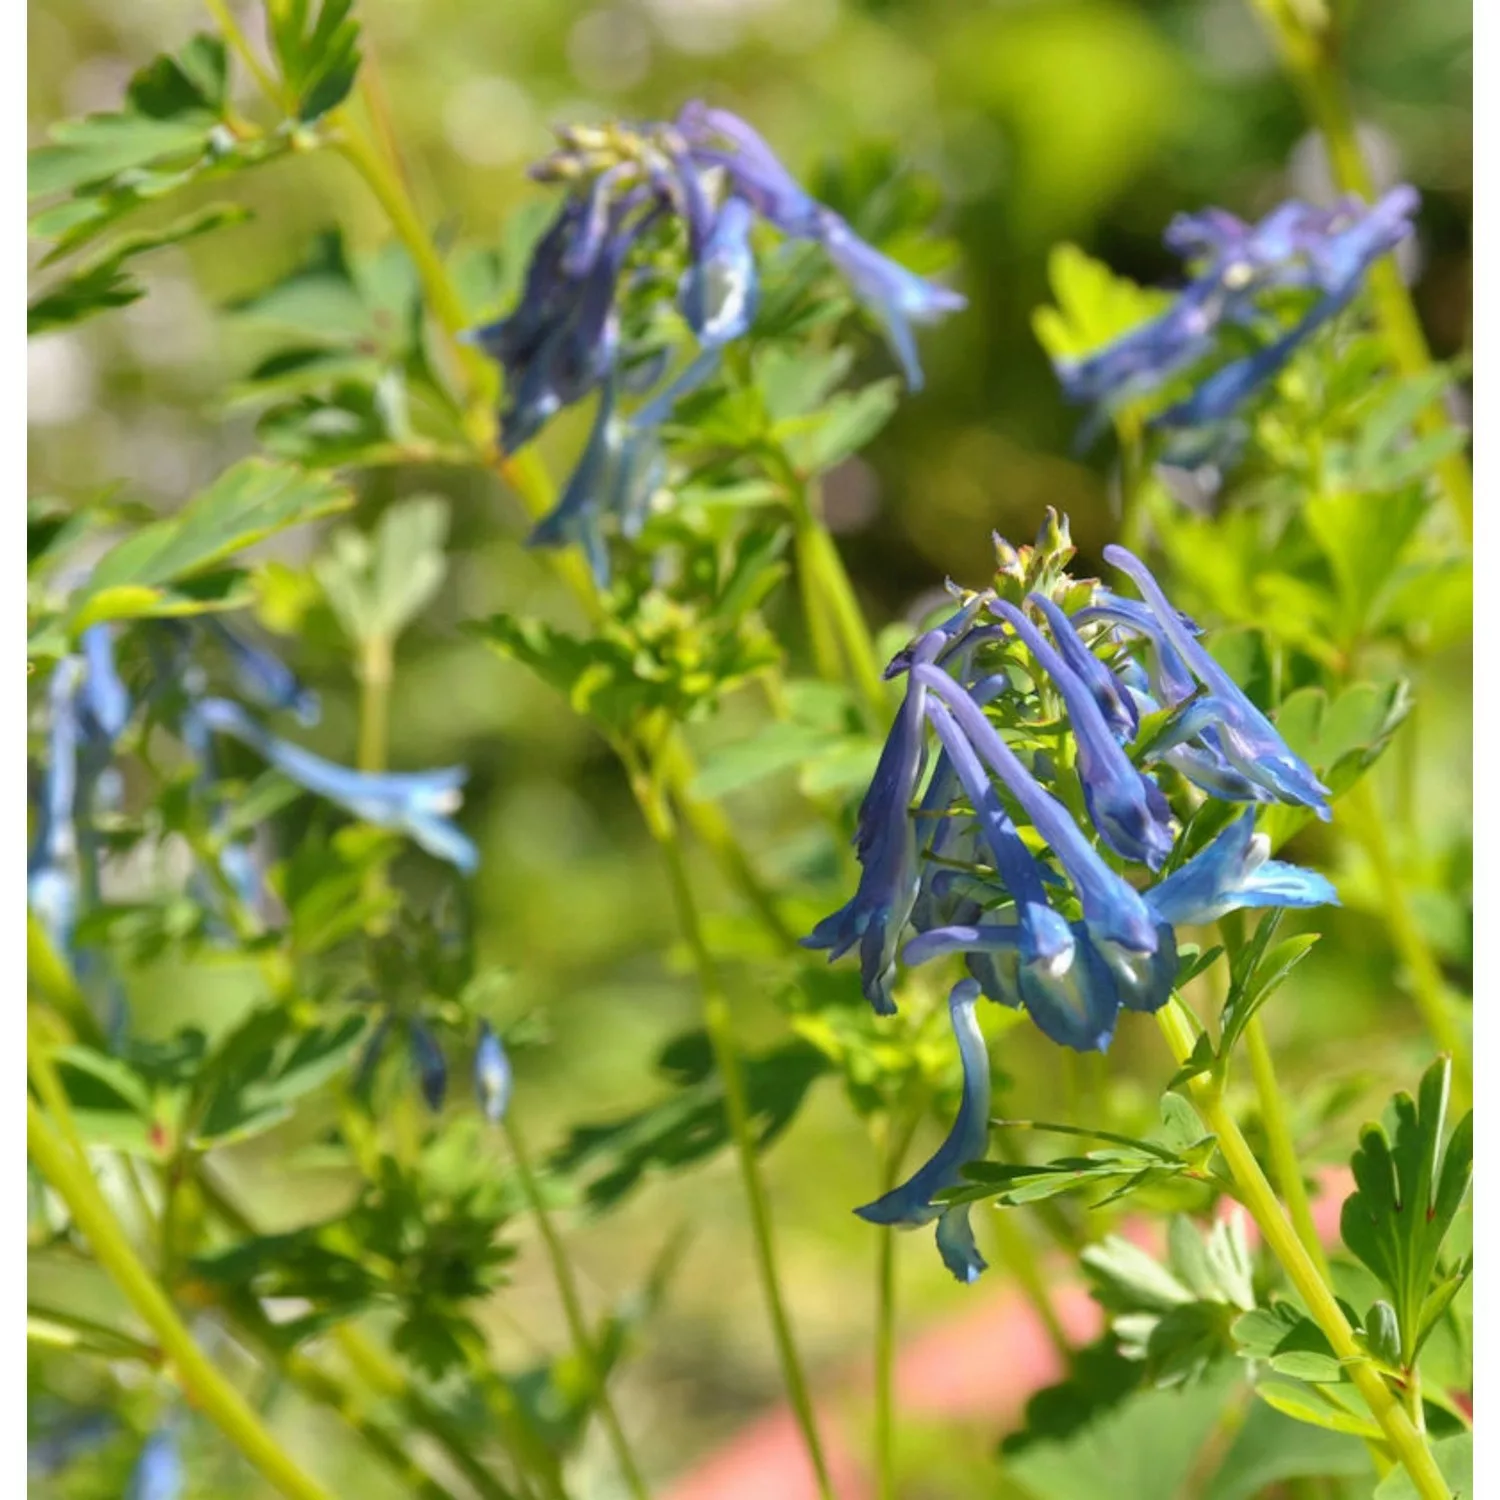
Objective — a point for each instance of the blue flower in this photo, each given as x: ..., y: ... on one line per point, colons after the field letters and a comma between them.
x: 431, y: 1065
x: 1233, y: 872
x: 262, y: 676
x: 1114, y: 911
x: 414, y: 803
x: 911, y: 1203
x: 1248, y: 739
x: 103, y: 700
x: 719, y: 289
x: 1127, y: 808
x: 1116, y: 705
x: 158, y: 1473
x: 52, y: 889
x: 492, y: 1075
x: 1295, y: 247
x: 889, y: 876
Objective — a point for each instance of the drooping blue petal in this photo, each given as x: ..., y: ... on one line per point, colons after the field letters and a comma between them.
x: 262, y: 676
x: 492, y: 1075
x: 719, y: 288
x: 721, y: 138
x: 1127, y: 808
x: 415, y: 803
x: 1116, y: 705
x: 103, y: 700
x: 1045, y: 937
x: 885, y: 844
x: 432, y: 1066
x: 911, y: 1203
x: 1247, y: 738
x: 1112, y: 909
x: 1235, y: 871
x: 955, y: 1242
x: 895, y: 296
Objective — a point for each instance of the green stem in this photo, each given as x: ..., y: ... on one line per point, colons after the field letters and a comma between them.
x: 374, y: 673
x: 1429, y: 990
x: 1279, y: 1139
x: 1256, y: 1194
x: 897, y: 1143
x: 1020, y: 1261
x: 224, y: 17
x: 60, y: 1328
x: 567, y: 1289
x: 718, y: 1025
x: 828, y: 596
x: 1309, y: 58
x: 200, y: 1380
x: 381, y: 1373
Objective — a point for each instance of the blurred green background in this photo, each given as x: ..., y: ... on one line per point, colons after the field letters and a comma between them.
x: 1039, y: 120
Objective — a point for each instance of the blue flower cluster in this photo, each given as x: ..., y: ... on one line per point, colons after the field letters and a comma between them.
x: 1240, y: 273
x: 1006, y: 847
x: 706, y: 178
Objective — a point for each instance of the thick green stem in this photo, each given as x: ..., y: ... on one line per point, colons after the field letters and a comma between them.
x: 1308, y: 55
x: 1428, y: 988
x: 834, y: 617
x: 1283, y: 1150
x: 374, y: 673
x: 200, y: 1380
x: 567, y: 1290
x: 1256, y: 1194
x: 718, y: 1025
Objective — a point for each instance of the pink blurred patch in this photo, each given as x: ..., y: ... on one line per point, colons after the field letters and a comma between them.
x: 986, y: 1361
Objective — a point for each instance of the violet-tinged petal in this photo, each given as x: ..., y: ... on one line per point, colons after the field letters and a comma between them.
x: 492, y: 1075
x: 431, y: 1065
x: 1112, y: 909
x: 1233, y: 872
x: 719, y: 287
x: 103, y: 700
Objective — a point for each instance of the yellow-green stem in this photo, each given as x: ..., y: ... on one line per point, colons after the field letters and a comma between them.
x: 209, y: 1391
x: 1279, y: 1140
x: 1020, y: 1260
x: 240, y: 43
x: 718, y: 1025
x: 896, y: 1141
x: 374, y: 672
x: 1308, y: 56
x: 567, y: 1290
x: 1429, y: 991
x: 1257, y: 1196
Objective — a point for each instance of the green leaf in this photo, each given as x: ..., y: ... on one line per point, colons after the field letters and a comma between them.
x: 1256, y: 972
x: 1455, y: 1459
x: 1316, y: 1405
x: 1363, y: 538
x: 689, y: 1125
x: 263, y: 1068
x: 318, y: 52
x: 744, y: 763
x: 377, y: 585
x: 793, y: 382
x: 103, y: 282
x: 816, y: 442
x: 253, y: 500
x: 1094, y: 305
x: 1271, y: 1449
x: 1408, y: 1192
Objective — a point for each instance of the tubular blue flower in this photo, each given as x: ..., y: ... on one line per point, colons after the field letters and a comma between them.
x: 413, y: 803
x: 911, y: 1203
x: 1248, y: 739
x: 885, y: 844
x: 1116, y: 706
x: 1127, y: 807
x: 1235, y: 871
x: 1114, y: 912
x: 77, y: 1433
x: 1296, y: 246
x: 52, y: 889
x: 262, y: 676
x: 103, y: 701
x: 158, y: 1472
x: 492, y: 1075
x: 431, y: 1065
x: 719, y: 289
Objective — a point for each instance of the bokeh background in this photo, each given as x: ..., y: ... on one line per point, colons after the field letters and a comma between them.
x: 1038, y: 121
